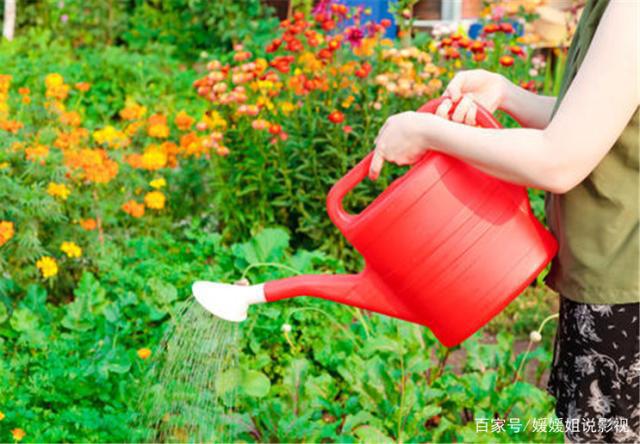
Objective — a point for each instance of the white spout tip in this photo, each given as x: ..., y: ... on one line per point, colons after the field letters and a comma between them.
x: 229, y: 302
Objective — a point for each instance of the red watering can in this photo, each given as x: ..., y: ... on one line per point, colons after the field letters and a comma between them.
x: 445, y: 245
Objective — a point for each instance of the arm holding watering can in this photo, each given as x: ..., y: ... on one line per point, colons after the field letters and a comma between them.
x: 554, y: 157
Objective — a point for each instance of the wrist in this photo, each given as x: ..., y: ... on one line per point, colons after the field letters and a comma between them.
x: 505, y: 99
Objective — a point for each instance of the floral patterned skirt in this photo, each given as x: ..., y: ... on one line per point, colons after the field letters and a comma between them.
x: 595, y: 376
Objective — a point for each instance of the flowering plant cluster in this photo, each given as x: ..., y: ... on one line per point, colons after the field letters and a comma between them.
x: 286, y: 122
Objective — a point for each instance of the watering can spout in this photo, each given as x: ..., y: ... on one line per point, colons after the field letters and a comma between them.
x: 363, y: 290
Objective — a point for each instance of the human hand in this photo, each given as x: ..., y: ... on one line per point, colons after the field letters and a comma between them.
x: 402, y: 140
x: 470, y: 88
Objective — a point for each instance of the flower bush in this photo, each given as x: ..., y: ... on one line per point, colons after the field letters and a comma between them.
x: 119, y: 188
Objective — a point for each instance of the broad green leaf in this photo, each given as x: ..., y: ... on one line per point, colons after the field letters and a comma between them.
x: 268, y: 245
x: 371, y: 434
x: 24, y: 320
x: 249, y: 382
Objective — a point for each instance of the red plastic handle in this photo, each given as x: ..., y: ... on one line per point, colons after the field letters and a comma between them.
x: 336, y: 211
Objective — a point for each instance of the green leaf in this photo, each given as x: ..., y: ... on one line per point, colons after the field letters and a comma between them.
x: 24, y: 320
x: 249, y: 382
x: 268, y: 245
x: 4, y: 312
x: 162, y: 292
x: 372, y: 434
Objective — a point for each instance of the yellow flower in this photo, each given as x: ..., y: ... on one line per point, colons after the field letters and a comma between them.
x: 158, y: 183
x: 155, y: 200
x: 154, y: 158
x: 287, y: 108
x: 111, y: 136
x: 18, y: 434
x: 71, y: 249
x: 6, y: 231
x: 1, y: 416
x: 144, y: 353
x: 214, y: 120
x: 346, y: 103
x: 47, y: 266
x: 58, y: 190
x: 53, y: 80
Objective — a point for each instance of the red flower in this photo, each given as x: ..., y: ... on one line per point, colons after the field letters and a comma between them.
x: 274, y: 45
x: 334, y: 44
x: 445, y: 42
x: 517, y: 50
x: 347, y: 129
x: 506, y: 61
x: 477, y: 46
x: 479, y: 56
x: 336, y: 117
x: 282, y: 63
x: 295, y: 45
x: 455, y: 37
x: 275, y: 129
x: 324, y: 54
x: 491, y: 28
x: 451, y: 53
x: 464, y: 42
x: 385, y: 22
x: 354, y: 36
x: 328, y: 25
x: 507, y: 28
x: 364, y: 70
x: 298, y: 16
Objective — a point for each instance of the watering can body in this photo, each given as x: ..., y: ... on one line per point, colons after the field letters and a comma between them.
x: 445, y: 245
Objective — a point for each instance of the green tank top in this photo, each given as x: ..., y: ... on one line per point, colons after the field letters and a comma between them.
x: 596, y: 223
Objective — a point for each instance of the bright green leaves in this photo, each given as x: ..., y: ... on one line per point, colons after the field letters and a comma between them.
x: 244, y: 382
x: 89, y: 302
x: 268, y: 245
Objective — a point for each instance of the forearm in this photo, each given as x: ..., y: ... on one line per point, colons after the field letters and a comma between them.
x: 521, y: 156
x: 529, y: 109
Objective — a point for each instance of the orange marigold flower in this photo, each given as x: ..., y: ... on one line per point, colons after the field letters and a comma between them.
x: 133, y: 208
x: 184, y: 121
x: 11, y: 126
x: 133, y: 111
x: 36, y: 152
x: 88, y: 224
x: 71, y: 118
x: 6, y: 231
x: 83, y: 86
x: 158, y: 126
x: 155, y: 200
x: 24, y: 91
x: 93, y: 165
x: 191, y: 144
x: 18, y: 434
x: 72, y: 139
x: 143, y: 353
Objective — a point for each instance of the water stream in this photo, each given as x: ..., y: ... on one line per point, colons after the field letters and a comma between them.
x: 179, y: 401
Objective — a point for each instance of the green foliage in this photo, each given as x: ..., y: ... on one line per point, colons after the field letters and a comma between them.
x: 183, y: 27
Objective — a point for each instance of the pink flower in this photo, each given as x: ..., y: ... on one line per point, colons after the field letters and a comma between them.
x: 347, y: 129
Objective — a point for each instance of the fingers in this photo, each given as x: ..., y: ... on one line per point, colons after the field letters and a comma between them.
x: 462, y: 109
x: 376, y: 164
x: 470, y: 118
x: 444, y: 108
x: 454, y: 88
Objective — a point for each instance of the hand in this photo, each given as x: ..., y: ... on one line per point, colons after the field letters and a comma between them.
x: 471, y: 87
x: 402, y: 140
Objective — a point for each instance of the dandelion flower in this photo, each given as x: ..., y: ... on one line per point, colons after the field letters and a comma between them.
x: 535, y: 336
x: 71, y: 249
x: 47, y: 266
x: 286, y: 328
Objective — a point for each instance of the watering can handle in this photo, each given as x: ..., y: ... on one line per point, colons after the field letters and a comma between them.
x: 336, y: 211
